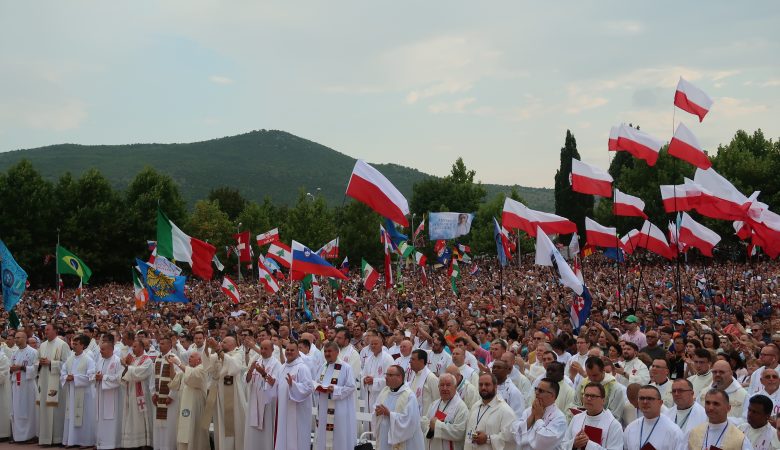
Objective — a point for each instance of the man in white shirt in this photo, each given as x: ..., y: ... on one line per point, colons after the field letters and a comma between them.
x: 542, y: 425
x: 374, y: 369
x: 632, y: 370
x: 396, y: 415
x: 770, y: 358
x: 506, y: 389
x: 445, y: 422
x: 761, y: 434
x: 722, y: 378
x: 702, y: 377
x: 405, y: 349
x: 491, y: 421
x: 686, y: 413
x: 653, y: 428
x: 770, y: 381
x: 596, y: 428
x: 659, y: 377
x: 423, y: 383
x: 718, y: 431
x: 438, y: 359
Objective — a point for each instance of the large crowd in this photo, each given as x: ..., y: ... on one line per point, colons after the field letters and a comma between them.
x: 657, y: 365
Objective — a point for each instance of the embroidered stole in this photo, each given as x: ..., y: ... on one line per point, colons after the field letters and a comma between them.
x: 732, y: 438
x: 140, y: 401
x: 52, y: 388
x: 331, y: 411
x: 163, y: 372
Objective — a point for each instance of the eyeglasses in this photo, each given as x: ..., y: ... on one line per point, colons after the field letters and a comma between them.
x: 648, y: 399
x: 591, y: 396
x: 680, y: 391
x: 541, y: 391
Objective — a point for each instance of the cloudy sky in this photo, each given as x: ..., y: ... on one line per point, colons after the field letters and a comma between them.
x: 414, y: 83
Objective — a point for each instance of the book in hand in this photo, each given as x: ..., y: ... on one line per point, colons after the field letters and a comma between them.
x: 593, y: 433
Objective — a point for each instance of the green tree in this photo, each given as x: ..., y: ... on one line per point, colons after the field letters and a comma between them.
x: 229, y: 200
x: 481, y: 234
x: 358, y: 230
x: 310, y: 221
x: 148, y: 190
x: 457, y: 192
x: 572, y: 205
x: 752, y: 163
x: 209, y: 223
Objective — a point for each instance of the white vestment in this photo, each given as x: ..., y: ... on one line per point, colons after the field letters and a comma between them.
x: 449, y: 431
x: 775, y: 397
x: 687, y: 419
x: 512, y: 396
x: 351, y: 356
x: 344, y: 432
x: 764, y: 438
x: 228, y: 378
x: 699, y: 382
x: 424, y: 386
x: 495, y: 419
x: 137, y: 407
x: 109, y: 409
x: 260, y: 424
x: 294, y: 413
x: 603, y: 426
x: 666, y: 392
x: 401, y: 430
x: 438, y: 362
x: 403, y: 361
x: 468, y: 393
x: 634, y: 371
x: 660, y: 432
x: 545, y: 433
x: 24, y: 414
x: 375, y: 366
x: 51, y: 409
x: 5, y: 396
x: 192, y: 384
x: 470, y: 374
x: 737, y: 399
x: 164, y: 430
x: 80, y: 412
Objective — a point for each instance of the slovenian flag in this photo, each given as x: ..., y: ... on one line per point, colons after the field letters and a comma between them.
x: 304, y: 260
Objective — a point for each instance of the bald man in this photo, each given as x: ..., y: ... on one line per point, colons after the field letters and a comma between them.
x: 467, y: 391
x: 723, y: 378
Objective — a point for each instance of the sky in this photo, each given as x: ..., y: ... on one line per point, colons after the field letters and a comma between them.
x: 413, y: 83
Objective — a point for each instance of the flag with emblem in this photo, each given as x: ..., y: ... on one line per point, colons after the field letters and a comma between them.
x: 14, y: 278
x: 369, y: 275
x: 242, y: 246
x: 281, y: 253
x: 230, y: 289
x: 268, y: 281
x: 454, y: 275
x: 580, y: 308
x: 68, y: 263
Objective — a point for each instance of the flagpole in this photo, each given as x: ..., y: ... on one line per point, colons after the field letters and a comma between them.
x: 238, y: 250
x: 57, y: 265
x: 617, y: 250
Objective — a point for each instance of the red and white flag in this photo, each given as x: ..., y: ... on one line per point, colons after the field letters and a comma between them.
x: 420, y: 259
x: 281, y: 253
x: 369, y: 275
x: 742, y: 230
x: 697, y: 235
x: 653, y: 239
x: 517, y: 215
x: 330, y: 250
x: 231, y: 290
x: 612, y: 144
x: 640, y: 144
x: 692, y: 99
x: 388, y: 244
x: 599, y: 235
x: 628, y: 205
x: 675, y: 198
x: 267, y: 237
x: 630, y: 241
x: 367, y: 185
x: 350, y: 300
x: 243, y: 248
x: 419, y: 230
x: 719, y: 198
x: 685, y: 146
x: 266, y: 279
x: 587, y: 179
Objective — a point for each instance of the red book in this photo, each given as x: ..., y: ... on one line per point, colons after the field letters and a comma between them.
x: 593, y: 433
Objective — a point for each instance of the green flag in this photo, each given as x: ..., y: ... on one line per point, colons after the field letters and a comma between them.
x: 454, y: 275
x: 68, y: 263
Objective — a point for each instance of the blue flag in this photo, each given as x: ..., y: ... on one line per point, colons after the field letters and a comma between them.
x: 395, y: 236
x: 499, y: 243
x: 14, y: 278
x: 614, y: 253
x: 161, y: 287
x: 445, y: 256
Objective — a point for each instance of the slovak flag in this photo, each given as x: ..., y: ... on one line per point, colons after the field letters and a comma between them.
x: 367, y: 185
x: 580, y: 308
x: 587, y: 179
x: 628, y: 205
x: 640, y: 144
x: 697, y: 235
x: 685, y: 146
x: 599, y: 235
x: 304, y: 260
x: 692, y: 99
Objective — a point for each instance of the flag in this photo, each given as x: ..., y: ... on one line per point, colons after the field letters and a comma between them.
x: 612, y: 144
x: 231, y: 290
x: 385, y: 239
x: 691, y: 99
x: 152, y: 245
x: 60, y: 288
x: 369, y: 275
x: 574, y: 245
x: 630, y: 241
x: 599, y: 235
x: 474, y: 270
x: 697, y: 235
x: 165, y: 266
x: 420, y: 259
x: 674, y: 240
x: 394, y: 234
x: 14, y: 278
x: 578, y: 269
x: 367, y: 185
x: 265, y: 278
x: 344, y: 268
x: 742, y: 230
x: 587, y: 179
x: 405, y: 250
x: 281, y: 253
x: 242, y: 246
x: 444, y: 256
x: 267, y: 237
x: 580, y: 309
x: 174, y: 244
x: 139, y: 291
x: 161, y: 287
x: 330, y: 250
x: 306, y: 261
x: 628, y: 205
x: 654, y: 240
x: 335, y: 285
x: 615, y: 254
x: 217, y: 263
x: 640, y: 144
x: 587, y: 250
x: 548, y: 255
x: 517, y: 215
x: 68, y: 263
x: 454, y: 275
x: 419, y: 229
x: 675, y: 198
x: 439, y: 246
x: 79, y: 290
x: 502, y: 249
x: 719, y: 199
x: 350, y: 300
x: 685, y: 146
x: 464, y: 248
x: 509, y: 242
x: 424, y: 276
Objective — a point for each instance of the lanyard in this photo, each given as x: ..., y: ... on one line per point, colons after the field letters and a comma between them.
x: 707, y: 436
x: 480, y: 416
x: 448, y: 404
x: 642, y: 430
x: 682, y: 424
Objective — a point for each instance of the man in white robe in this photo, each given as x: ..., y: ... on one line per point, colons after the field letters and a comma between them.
x: 260, y: 424
x: 76, y: 376
x: 718, y: 432
x: 632, y: 369
x: 228, y: 386
x: 438, y: 359
x: 770, y: 359
x: 445, y: 422
x: 348, y: 354
x: 136, y: 411
x: 422, y: 381
x: 373, y: 374
x: 192, y: 382
x: 491, y: 421
x: 770, y: 387
x: 108, y: 373
x: 467, y: 392
x: 686, y: 413
x: 506, y: 389
x: 723, y: 378
x: 396, y: 419
x: 24, y: 414
x: 164, y: 399
x: 595, y: 428
x: 470, y: 374
x: 294, y: 388
x: 542, y: 425
x: 52, y: 353
x: 5, y: 397
x: 405, y: 348
x: 761, y: 434
x: 702, y: 365
x: 334, y: 390
x: 659, y: 377
x: 653, y: 428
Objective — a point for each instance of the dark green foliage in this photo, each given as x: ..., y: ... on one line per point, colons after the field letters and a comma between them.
x: 229, y: 201
x: 456, y: 192
x: 569, y: 204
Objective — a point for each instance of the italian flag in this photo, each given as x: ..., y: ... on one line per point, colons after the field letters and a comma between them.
x: 140, y: 293
x: 370, y: 275
x: 173, y: 244
x: 454, y: 275
x: 230, y: 289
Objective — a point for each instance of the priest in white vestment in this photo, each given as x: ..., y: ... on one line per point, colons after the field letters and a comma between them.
x: 136, y: 411
x: 506, y: 389
x: 653, y: 428
x: 165, y: 413
x: 761, y: 434
x: 108, y: 374
x: 405, y: 349
x: 347, y: 352
x: 467, y: 392
x: 686, y: 412
x: 632, y: 369
x: 491, y: 421
x: 396, y: 416
x: 770, y: 387
x: 227, y: 384
x: 542, y: 425
x: 334, y: 390
x: 192, y: 381
x: 444, y: 425
x: 76, y: 376
x: 438, y: 358
x: 5, y: 396
x: 373, y: 374
x: 52, y: 353
x: 702, y: 365
x: 294, y: 388
x: 24, y: 389
x: 595, y: 428
x: 423, y: 383
x: 470, y: 374
x: 723, y: 378
x: 260, y: 426
x: 718, y: 432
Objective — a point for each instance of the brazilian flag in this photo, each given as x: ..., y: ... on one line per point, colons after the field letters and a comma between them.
x: 68, y: 263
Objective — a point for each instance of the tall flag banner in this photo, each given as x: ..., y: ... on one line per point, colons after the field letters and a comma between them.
x: 448, y: 225
x: 389, y: 246
x: 718, y: 198
x: 14, y: 278
x: 264, y: 275
x: 697, y: 235
x: 267, y: 237
x: 281, y: 253
x: 345, y: 266
x: 685, y: 146
x: 509, y: 242
x: 217, y: 263
x: 628, y: 205
x: 640, y: 144
x: 548, y: 255
x: 454, y: 275
x: 175, y: 244
x: 243, y: 247
x: 419, y: 229
x: 675, y: 198
x: 653, y: 239
x: 335, y: 286
x: 517, y: 215
x: 367, y: 185
x: 70, y: 264
x: 587, y: 179
x: 599, y: 235
x: 691, y: 99
x: 580, y: 309
x: 140, y: 292
x: 502, y: 249
x: 230, y: 289
x: 395, y: 235
x: 306, y: 261
x: 612, y: 144
x: 630, y: 241
x: 369, y: 275
x: 420, y: 259
x: 574, y: 245
x: 161, y: 287
x: 405, y: 250
x: 330, y: 250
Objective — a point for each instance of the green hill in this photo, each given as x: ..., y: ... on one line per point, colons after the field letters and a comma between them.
x: 259, y: 163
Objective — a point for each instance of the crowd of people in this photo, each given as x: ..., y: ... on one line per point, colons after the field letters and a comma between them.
x: 499, y: 366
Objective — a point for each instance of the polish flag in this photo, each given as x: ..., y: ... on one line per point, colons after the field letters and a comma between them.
x: 628, y: 205
x: 612, y: 144
x: 630, y: 241
x: 587, y: 179
x: 653, y: 239
x: 599, y: 235
x: 517, y: 215
x: 685, y: 146
x: 367, y: 185
x: 675, y: 198
x: 697, y: 235
x: 719, y: 198
x: 742, y: 230
x: 692, y: 99
x: 639, y: 144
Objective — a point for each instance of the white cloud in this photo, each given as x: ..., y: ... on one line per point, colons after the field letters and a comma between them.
x: 220, y: 79
x: 61, y: 115
x: 771, y: 83
x: 455, y: 107
x: 624, y: 27
x: 731, y: 107
x: 579, y: 101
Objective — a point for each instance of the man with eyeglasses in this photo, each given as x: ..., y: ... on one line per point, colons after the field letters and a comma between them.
x: 654, y: 349
x: 718, y: 431
x: 759, y: 431
x: 542, y: 425
x: 770, y: 381
x: 596, y: 428
x: 723, y: 378
x: 615, y: 392
x: 653, y: 430
x: 686, y: 413
x: 769, y: 357
x: 659, y: 377
x: 702, y: 377
x: 396, y: 414
x: 506, y: 389
x: 491, y: 420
